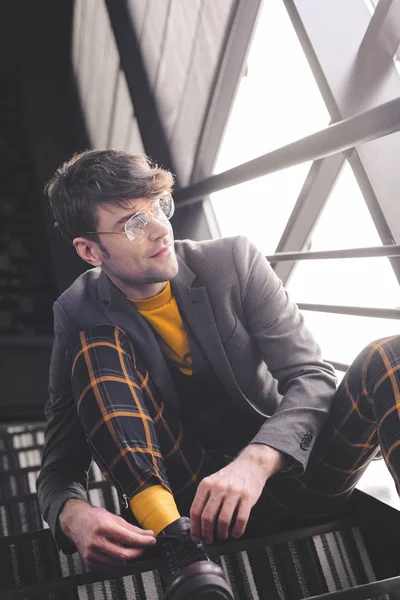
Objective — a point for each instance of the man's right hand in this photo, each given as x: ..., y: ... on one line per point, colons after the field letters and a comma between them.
x: 102, y: 538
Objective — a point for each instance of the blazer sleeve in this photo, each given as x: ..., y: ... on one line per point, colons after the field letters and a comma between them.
x: 66, y: 456
x: 307, y: 383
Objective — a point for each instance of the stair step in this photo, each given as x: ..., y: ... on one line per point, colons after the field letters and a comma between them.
x: 286, y: 566
x: 290, y: 566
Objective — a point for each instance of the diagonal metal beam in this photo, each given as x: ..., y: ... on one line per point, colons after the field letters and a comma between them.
x: 146, y: 111
x: 237, y: 45
x: 229, y: 74
x: 383, y: 33
x: 374, y: 59
x: 311, y: 201
x: 379, y: 45
x: 364, y: 127
x: 345, y: 86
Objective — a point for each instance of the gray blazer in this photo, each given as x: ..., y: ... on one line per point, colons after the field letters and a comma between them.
x: 252, y: 333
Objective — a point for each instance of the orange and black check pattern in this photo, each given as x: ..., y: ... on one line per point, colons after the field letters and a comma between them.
x: 135, y: 435
x: 365, y: 415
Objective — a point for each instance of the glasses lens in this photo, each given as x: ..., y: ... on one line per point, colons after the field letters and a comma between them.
x: 135, y: 228
x: 164, y: 207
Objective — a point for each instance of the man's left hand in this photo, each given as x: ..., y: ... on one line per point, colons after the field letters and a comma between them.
x: 236, y: 487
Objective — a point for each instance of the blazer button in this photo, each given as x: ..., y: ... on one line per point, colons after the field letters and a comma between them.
x: 306, y: 441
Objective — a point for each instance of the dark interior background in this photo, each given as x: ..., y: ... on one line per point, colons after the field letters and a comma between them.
x: 42, y: 125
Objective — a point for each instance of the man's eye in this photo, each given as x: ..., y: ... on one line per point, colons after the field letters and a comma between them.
x: 137, y: 222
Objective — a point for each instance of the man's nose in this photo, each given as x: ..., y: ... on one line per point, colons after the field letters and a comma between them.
x: 158, y: 227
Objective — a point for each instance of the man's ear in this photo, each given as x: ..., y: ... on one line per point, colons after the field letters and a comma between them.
x: 88, y: 251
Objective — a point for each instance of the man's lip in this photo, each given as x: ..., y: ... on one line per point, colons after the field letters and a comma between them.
x: 161, y: 250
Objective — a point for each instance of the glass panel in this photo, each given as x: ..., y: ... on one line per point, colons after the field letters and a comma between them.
x: 278, y: 102
x: 345, y: 223
x: 260, y: 208
x: 342, y: 337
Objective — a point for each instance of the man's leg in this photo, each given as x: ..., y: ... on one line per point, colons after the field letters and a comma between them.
x: 135, y: 437
x: 141, y: 446
x: 365, y: 413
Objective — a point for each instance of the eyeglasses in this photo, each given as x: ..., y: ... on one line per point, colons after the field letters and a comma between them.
x: 136, y: 228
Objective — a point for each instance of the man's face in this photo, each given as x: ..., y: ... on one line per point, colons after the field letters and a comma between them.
x: 131, y: 265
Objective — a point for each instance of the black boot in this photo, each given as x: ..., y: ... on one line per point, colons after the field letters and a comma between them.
x: 190, y: 574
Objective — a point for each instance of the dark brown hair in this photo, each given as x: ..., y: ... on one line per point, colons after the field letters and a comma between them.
x: 99, y: 177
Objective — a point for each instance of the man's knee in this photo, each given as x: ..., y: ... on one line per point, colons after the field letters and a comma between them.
x: 375, y: 360
x: 103, y: 333
x: 390, y: 343
x: 387, y: 346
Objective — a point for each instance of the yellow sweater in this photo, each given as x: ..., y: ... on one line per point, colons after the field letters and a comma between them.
x: 163, y: 314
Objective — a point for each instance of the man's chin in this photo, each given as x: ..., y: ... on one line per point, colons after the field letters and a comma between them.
x: 168, y: 272
x: 173, y: 271
x: 172, y: 263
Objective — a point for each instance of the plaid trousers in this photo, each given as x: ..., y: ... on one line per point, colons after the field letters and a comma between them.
x: 135, y: 436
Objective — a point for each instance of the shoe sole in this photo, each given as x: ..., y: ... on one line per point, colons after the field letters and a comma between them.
x: 211, y: 593
x: 201, y: 587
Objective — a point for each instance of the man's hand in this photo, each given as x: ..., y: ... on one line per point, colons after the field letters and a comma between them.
x: 103, y: 539
x: 236, y: 487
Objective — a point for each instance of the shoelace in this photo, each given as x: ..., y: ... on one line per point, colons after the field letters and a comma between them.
x: 184, y: 552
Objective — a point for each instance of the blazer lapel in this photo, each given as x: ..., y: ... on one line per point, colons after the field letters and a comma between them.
x: 197, y: 310
x: 122, y: 313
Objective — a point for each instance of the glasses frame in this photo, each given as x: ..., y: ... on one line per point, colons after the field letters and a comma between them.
x: 141, y: 211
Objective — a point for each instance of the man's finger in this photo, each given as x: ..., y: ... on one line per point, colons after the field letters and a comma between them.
x: 126, y: 536
x: 134, y: 528
x: 119, y: 553
x: 196, y: 510
x: 241, y: 519
x: 208, y: 517
x: 225, y: 516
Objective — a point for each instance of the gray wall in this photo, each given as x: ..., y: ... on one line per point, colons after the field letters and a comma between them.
x: 181, y: 44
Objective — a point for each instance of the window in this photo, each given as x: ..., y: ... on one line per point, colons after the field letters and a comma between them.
x: 278, y: 102
x: 261, y: 207
x: 346, y: 222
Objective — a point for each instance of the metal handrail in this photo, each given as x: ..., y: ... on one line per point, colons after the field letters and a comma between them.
x: 359, y: 311
x: 370, y: 252
x: 337, y: 365
x: 377, y: 122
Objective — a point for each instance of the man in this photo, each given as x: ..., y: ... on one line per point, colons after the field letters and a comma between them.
x: 190, y: 377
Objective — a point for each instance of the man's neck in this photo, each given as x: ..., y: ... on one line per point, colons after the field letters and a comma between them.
x: 139, y: 291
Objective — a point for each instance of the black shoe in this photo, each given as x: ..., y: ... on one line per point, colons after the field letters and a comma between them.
x: 190, y: 574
